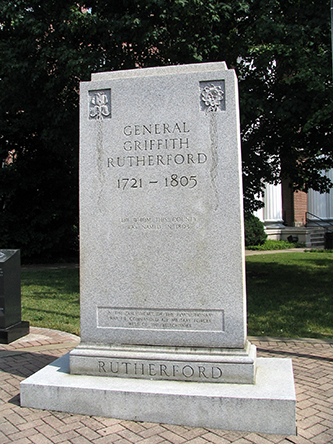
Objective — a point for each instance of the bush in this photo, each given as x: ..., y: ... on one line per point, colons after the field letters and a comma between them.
x: 276, y: 245
x: 254, y: 231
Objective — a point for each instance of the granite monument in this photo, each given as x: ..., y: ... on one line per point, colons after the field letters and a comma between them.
x: 163, y: 298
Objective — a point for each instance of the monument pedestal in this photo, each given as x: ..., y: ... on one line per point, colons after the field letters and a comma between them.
x: 265, y: 407
x: 166, y: 363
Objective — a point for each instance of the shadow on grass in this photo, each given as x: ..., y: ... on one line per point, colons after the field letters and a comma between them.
x: 290, y: 296
x: 65, y: 315
x: 53, y: 281
x: 51, y: 299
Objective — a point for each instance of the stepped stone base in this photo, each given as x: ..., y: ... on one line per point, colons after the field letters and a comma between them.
x: 166, y: 363
x: 269, y: 406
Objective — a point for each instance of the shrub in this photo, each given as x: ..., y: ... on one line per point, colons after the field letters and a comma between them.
x: 254, y: 231
x: 276, y: 245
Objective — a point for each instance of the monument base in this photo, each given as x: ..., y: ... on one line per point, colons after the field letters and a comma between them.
x: 269, y: 406
x: 166, y: 363
x: 13, y: 332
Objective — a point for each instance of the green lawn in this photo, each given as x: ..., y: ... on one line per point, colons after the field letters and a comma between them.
x: 51, y: 299
x: 289, y: 294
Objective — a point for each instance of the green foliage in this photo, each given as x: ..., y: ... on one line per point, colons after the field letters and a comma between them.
x: 287, y: 60
x: 270, y: 244
x: 254, y: 230
x: 279, y: 48
x: 39, y: 65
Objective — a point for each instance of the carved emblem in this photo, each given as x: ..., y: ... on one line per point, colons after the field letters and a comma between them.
x: 99, y: 106
x: 212, y: 97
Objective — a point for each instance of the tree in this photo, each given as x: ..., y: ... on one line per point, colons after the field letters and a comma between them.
x: 286, y: 95
x: 43, y: 52
x: 281, y: 52
x: 279, y: 48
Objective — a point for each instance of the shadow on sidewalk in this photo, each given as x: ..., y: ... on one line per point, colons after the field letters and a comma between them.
x: 24, y: 363
x: 294, y: 353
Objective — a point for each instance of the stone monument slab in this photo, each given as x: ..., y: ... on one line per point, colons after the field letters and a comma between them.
x: 162, y: 248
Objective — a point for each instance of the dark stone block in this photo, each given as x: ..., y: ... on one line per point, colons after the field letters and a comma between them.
x: 10, y: 334
x: 11, y: 327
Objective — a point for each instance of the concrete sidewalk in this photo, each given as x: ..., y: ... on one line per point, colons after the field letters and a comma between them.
x: 313, y: 369
x: 287, y: 250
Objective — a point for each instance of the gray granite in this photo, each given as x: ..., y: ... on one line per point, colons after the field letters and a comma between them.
x: 167, y: 363
x: 162, y: 250
x: 269, y: 406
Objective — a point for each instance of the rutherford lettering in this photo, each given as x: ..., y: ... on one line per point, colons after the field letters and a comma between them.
x: 158, y: 370
x: 156, y: 160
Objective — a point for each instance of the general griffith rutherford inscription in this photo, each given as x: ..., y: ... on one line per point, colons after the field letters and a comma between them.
x: 156, y: 145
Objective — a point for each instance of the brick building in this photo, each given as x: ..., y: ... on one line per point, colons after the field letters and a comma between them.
x: 305, y: 216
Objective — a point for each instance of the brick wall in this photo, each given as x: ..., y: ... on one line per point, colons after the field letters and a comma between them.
x: 300, y: 208
x: 295, y: 205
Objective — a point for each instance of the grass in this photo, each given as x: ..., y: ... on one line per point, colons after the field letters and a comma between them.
x: 289, y: 295
x: 51, y: 299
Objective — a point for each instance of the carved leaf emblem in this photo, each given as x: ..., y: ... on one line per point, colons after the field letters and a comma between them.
x: 212, y: 96
x: 99, y: 106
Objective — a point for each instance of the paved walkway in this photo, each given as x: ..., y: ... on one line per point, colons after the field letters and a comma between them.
x: 313, y: 370
x: 287, y: 250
